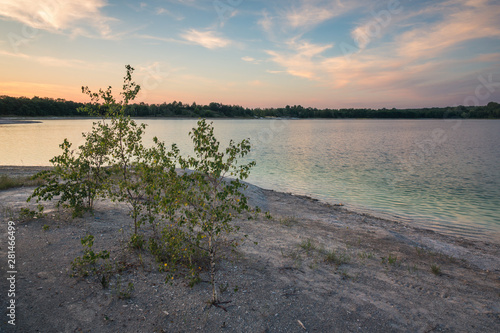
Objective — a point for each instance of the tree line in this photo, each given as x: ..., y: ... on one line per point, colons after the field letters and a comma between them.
x: 41, y: 107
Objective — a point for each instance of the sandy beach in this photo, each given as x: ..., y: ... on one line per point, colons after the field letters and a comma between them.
x: 278, y: 280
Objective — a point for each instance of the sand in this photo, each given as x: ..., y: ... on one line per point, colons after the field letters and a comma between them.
x: 278, y: 280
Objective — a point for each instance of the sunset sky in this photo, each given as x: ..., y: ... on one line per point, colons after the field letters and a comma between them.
x: 338, y: 53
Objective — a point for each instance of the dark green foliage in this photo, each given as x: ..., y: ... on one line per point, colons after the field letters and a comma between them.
x: 137, y: 241
x: 28, y: 214
x: 177, y: 254
x: 212, y: 201
x: 75, y: 178
x: 7, y: 182
x: 36, y: 107
x: 189, y: 213
x: 90, y: 263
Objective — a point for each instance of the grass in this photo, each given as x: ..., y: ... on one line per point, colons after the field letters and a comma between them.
x: 435, y: 269
x: 308, y: 245
x: 336, y: 257
x: 391, y: 260
x: 412, y: 269
x: 288, y: 221
x: 366, y: 255
x: 7, y: 182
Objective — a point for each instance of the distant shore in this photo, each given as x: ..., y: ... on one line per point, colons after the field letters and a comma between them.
x: 8, y: 121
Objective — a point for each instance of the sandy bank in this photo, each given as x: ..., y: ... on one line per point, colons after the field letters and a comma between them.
x: 9, y: 121
x: 382, y: 281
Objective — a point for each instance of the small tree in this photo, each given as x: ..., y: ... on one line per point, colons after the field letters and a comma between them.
x: 76, y: 178
x: 121, y: 143
x: 212, y: 201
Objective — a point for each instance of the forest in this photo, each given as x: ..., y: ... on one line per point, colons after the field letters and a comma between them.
x: 42, y: 107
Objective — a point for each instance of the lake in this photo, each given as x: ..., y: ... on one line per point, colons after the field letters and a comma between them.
x: 440, y: 174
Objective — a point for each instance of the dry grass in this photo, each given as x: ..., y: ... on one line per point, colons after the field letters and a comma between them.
x: 7, y: 182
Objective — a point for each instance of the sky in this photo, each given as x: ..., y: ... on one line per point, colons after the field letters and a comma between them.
x: 314, y: 53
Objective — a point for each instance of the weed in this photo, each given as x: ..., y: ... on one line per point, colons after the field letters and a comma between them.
x: 137, y: 241
x: 45, y: 227
x: 435, y: 269
x: 314, y: 264
x: 337, y: 257
x: 389, y: 260
x: 88, y: 264
x: 223, y: 287
x: 26, y: 214
x: 366, y: 255
x: 7, y: 182
x: 8, y: 212
x: 308, y: 245
x: 124, y: 293
x: 288, y: 221
x: 295, y: 255
x: 194, y: 279
x: 345, y: 276
x: 412, y: 269
x: 420, y: 251
x: 392, y: 260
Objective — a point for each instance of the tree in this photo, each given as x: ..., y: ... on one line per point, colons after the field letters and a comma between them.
x: 212, y: 201
x: 199, y: 204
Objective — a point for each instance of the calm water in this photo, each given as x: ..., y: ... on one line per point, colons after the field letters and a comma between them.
x: 441, y: 174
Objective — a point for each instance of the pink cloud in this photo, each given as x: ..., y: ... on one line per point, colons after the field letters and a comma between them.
x: 207, y: 39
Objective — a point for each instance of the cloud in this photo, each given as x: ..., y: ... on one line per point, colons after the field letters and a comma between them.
x: 274, y: 72
x: 462, y: 21
x: 207, y: 39
x: 304, y: 15
x: 74, y: 16
x: 266, y: 22
x: 51, y: 61
x: 422, y: 52
x: 301, y: 61
x: 249, y: 59
x: 256, y: 83
x: 309, y: 14
x: 163, y: 11
x: 162, y: 39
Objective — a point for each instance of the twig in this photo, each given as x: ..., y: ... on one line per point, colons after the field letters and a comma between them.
x: 218, y: 304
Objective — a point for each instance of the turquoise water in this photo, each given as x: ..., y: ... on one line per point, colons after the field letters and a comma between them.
x: 440, y: 174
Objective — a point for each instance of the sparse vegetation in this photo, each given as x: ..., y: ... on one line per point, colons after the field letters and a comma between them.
x: 26, y: 214
x: 91, y: 263
x: 7, y: 182
x: 190, y: 213
x: 436, y: 269
x: 288, y: 221
x: 308, y: 245
x: 123, y: 292
x: 366, y: 255
x: 337, y: 257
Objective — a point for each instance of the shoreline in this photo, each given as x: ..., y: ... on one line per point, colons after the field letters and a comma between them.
x: 13, y: 121
x: 20, y: 171
x: 387, y: 218
x: 311, y: 265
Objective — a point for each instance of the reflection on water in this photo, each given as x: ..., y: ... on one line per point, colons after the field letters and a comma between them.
x: 438, y: 173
